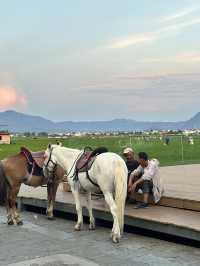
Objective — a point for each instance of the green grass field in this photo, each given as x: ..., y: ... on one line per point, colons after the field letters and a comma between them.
x: 177, y: 152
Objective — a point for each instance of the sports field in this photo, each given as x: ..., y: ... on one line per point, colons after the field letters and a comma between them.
x: 179, y: 151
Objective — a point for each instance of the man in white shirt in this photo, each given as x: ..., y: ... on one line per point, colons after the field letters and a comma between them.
x: 146, y: 177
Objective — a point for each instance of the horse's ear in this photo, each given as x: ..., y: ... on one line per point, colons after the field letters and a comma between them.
x: 49, y: 146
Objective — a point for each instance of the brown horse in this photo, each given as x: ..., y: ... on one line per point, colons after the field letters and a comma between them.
x: 20, y: 169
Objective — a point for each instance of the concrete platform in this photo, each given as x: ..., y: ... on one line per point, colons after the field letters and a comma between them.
x: 168, y: 220
x: 182, y: 181
x: 182, y: 184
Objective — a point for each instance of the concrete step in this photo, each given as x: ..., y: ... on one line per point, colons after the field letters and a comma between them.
x: 168, y: 220
x: 182, y: 184
x: 174, y: 202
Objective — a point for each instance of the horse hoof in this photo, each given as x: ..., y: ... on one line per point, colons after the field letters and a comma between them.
x: 92, y: 227
x: 51, y: 218
x: 77, y: 227
x: 10, y: 222
x: 115, y: 239
x: 20, y: 223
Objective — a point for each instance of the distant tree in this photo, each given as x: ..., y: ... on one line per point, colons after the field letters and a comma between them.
x: 4, y: 131
x: 43, y: 134
x: 27, y: 134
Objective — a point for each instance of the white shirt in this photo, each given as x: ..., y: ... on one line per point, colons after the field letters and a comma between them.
x: 151, y: 172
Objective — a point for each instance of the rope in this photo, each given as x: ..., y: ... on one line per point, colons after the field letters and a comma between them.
x: 78, y: 157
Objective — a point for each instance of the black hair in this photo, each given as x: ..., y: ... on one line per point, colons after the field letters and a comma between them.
x: 143, y: 155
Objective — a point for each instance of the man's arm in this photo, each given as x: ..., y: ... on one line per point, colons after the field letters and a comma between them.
x: 138, y: 171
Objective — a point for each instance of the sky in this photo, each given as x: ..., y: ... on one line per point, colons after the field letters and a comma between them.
x: 100, y: 60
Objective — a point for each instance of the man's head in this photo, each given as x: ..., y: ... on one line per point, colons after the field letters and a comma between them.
x: 128, y: 154
x: 143, y: 159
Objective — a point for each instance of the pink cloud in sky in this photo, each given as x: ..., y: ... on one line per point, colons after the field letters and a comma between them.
x: 10, y: 97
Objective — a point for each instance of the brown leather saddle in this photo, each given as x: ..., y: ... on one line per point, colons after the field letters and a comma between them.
x: 86, y: 160
x: 35, y: 161
x: 84, y: 163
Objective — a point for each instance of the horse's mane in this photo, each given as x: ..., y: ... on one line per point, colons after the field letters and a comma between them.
x: 65, y: 148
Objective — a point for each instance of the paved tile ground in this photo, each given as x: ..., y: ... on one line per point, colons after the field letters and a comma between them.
x: 41, y: 239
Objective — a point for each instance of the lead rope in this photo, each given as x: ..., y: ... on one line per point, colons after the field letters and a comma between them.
x: 74, y: 174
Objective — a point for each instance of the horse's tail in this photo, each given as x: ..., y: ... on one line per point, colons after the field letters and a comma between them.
x: 3, y: 185
x: 120, y: 191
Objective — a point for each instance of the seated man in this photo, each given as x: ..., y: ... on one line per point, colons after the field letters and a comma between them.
x: 131, y: 164
x: 146, y: 177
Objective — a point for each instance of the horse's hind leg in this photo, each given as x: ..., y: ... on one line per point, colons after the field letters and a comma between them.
x: 89, y: 207
x: 113, y: 208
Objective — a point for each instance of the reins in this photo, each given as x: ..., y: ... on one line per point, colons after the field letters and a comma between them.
x: 73, y: 176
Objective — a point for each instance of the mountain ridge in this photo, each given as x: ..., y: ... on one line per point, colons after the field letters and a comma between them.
x: 20, y: 122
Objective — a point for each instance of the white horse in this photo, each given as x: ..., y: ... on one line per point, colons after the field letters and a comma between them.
x: 108, y: 174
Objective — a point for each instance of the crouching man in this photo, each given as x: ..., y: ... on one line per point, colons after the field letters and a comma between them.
x: 146, y: 177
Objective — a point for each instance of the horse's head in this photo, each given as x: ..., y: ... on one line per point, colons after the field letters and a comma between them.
x: 50, y: 161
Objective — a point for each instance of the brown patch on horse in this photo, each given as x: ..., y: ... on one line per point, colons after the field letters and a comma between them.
x: 3, y: 185
x: 14, y: 172
x: 15, y: 168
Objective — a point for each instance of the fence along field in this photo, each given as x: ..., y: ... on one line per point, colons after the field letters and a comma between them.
x: 179, y: 150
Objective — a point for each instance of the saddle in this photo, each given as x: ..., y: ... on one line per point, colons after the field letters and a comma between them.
x: 35, y: 161
x: 86, y: 160
x: 84, y: 163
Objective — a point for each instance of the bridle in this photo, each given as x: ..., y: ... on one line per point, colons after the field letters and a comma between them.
x: 52, y: 172
x: 74, y: 175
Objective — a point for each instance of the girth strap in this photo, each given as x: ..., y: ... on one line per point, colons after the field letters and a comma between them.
x: 88, y: 177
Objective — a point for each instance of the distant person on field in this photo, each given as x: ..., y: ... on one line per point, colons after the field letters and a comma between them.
x: 146, y: 177
x: 191, y: 141
x: 167, y: 140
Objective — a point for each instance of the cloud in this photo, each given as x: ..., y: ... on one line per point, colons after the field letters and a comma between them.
x: 10, y: 97
x: 188, y: 57
x: 148, y: 37
x: 159, y: 76
x: 132, y: 40
x: 180, y: 14
x: 153, y: 91
x: 179, y: 26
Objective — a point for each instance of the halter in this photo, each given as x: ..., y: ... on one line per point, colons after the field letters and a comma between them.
x: 54, y: 164
x: 74, y: 176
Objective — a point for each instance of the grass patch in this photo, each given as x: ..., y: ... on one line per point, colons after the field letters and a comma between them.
x: 177, y: 152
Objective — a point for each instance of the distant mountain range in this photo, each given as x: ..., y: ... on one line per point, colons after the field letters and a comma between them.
x: 19, y: 122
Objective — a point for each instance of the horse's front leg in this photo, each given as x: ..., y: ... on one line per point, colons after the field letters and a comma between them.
x: 51, y: 195
x: 76, y: 195
x: 10, y: 218
x: 89, y: 207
